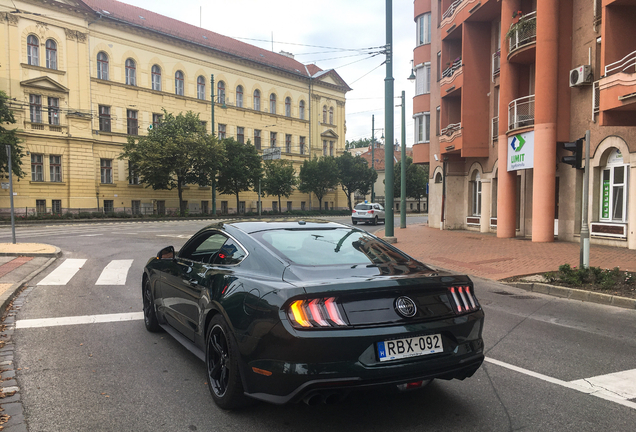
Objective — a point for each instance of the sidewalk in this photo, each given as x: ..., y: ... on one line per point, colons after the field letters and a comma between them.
x: 489, y: 257
x: 19, y: 263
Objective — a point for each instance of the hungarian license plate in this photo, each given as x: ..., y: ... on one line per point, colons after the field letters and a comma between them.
x: 410, y: 347
x: 362, y: 213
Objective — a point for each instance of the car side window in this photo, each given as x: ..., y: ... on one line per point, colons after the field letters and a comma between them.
x: 204, y: 247
x: 229, y: 254
x: 377, y: 207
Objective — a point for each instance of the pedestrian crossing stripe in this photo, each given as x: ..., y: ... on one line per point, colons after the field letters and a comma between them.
x: 64, y: 273
x: 115, y: 273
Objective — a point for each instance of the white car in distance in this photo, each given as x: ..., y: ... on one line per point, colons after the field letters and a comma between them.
x: 367, y: 212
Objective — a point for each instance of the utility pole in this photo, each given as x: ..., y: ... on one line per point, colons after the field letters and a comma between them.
x: 373, y: 155
x: 403, y: 170
x: 214, y: 179
x: 585, y: 229
x: 10, y: 173
x: 388, y: 125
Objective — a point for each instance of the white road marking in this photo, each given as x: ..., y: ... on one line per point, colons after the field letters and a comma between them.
x: 622, y: 384
x: 64, y: 273
x: 90, y: 235
x: 86, y: 319
x: 115, y: 273
x: 186, y: 236
x: 574, y: 385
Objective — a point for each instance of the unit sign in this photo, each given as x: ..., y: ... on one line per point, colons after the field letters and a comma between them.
x: 521, y: 151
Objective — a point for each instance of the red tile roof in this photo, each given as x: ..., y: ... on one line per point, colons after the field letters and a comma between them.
x: 379, y: 156
x: 118, y: 11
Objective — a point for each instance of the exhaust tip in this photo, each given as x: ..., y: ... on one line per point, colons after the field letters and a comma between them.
x: 333, y: 398
x: 313, y: 399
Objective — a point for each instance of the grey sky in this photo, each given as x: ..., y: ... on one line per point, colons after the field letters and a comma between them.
x: 356, y: 24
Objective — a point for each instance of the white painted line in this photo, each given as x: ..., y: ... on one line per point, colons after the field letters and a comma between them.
x: 621, y: 384
x: 86, y: 319
x: 90, y: 235
x: 64, y: 273
x: 574, y: 385
x: 115, y: 273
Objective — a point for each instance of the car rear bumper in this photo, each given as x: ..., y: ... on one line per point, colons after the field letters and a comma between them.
x: 318, y: 363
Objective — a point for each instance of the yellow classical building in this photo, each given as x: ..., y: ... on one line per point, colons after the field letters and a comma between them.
x: 82, y: 76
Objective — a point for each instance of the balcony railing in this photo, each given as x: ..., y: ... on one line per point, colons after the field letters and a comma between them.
x: 451, y: 10
x: 449, y: 71
x: 596, y: 99
x: 451, y: 129
x: 629, y: 61
x: 524, y: 32
x: 495, y: 129
x: 496, y: 64
x: 521, y: 112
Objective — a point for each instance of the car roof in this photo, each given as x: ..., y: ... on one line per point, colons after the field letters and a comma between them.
x: 254, y: 225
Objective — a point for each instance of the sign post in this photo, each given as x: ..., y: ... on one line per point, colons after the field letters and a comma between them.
x: 8, y: 149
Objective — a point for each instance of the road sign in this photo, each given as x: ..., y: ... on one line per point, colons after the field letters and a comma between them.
x: 271, y: 153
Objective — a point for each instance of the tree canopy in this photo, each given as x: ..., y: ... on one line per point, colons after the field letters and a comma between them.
x: 280, y: 179
x: 354, y: 175
x: 241, y: 168
x: 416, y: 179
x: 364, y: 142
x: 175, y: 153
x: 318, y: 176
x: 9, y: 137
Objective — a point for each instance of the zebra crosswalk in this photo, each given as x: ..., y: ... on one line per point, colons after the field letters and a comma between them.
x: 115, y: 273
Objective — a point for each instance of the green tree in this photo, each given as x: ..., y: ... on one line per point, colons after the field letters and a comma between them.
x: 241, y: 168
x: 354, y: 175
x: 9, y: 137
x: 176, y: 153
x: 416, y: 180
x: 280, y: 179
x: 318, y: 176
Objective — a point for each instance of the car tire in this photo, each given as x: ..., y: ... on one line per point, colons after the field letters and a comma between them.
x: 354, y: 222
x: 150, y: 312
x: 221, y: 359
x: 375, y: 220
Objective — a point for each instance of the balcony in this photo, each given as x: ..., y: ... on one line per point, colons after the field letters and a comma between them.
x: 617, y: 92
x: 452, y: 78
x: 522, y: 33
x: 450, y: 138
x: 457, y: 13
x: 35, y: 126
x: 521, y: 112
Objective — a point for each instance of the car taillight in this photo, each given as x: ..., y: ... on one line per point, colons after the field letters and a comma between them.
x: 315, y: 313
x: 370, y: 212
x: 353, y: 211
x: 464, y: 298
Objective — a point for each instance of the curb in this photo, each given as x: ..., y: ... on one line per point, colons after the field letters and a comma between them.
x: 576, y: 294
x: 56, y: 254
x: 7, y: 297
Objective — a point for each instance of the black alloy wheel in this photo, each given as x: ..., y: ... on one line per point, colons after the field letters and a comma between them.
x: 150, y: 313
x: 355, y: 222
x: 224, y: 380
x: 375, y: 220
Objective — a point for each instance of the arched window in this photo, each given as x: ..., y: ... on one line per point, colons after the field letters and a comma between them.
x: 272, y: 103
x: 51, y: 54
x: 301, y: 110
x: 257, y: 100
x: 239, y: 96
x: 102, y: 65
x: 156, y: 78
x: 331, y: 115
x: 33, y: 50
x: 131, y: 72
x: 288, y: 106
x: 614, y: 188
x: 178, y: 83
x: 476, y: 194
x: 220, y: 92
x: 324, y: 114
x: 201, y: 87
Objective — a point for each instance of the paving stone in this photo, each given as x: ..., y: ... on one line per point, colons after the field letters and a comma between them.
x: 8, y: 374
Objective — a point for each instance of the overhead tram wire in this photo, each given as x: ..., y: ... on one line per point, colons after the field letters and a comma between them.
x: 311, y: 46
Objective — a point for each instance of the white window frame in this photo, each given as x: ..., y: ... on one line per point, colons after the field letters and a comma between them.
x: 424, y: 29
x: 55, y: 168
x: 131, y: 72
x: 106, y: 168
x: 37, y: 167
x: 102, y: 65
x: 423, y: 79
x: 239, y: 96
x: 179, y: 83
x: 476, y: 195
x: 51, y: 54
x: 301, y: 110
x: 33, y: 50
x: 156, y: 77
x: 201, y: 87
x: 35, y: 108
x: 422, y: 132
x: 613, y: 186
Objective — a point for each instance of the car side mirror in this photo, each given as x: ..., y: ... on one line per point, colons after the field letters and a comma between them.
x: 166, y: 253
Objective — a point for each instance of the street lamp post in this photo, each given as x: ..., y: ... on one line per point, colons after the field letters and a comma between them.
x: 10, y: 173
x: 388, y: 124
x: 214, y: 179
x: 403, y: 170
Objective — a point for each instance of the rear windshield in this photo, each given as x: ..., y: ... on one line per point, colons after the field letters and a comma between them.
x: 317, y: 247
x: 363, y: 207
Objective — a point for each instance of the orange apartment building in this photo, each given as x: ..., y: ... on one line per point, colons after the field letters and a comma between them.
x: 501, y: 86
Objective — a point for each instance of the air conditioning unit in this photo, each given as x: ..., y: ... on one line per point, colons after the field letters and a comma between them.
x: 581, y: 75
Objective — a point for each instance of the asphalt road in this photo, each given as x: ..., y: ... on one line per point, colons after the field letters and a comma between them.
x: 115, y: 376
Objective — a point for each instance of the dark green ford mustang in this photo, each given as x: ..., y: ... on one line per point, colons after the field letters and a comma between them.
x: 289, y: 311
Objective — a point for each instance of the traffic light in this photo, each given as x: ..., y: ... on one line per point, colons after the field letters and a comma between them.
x: 575, y: 147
